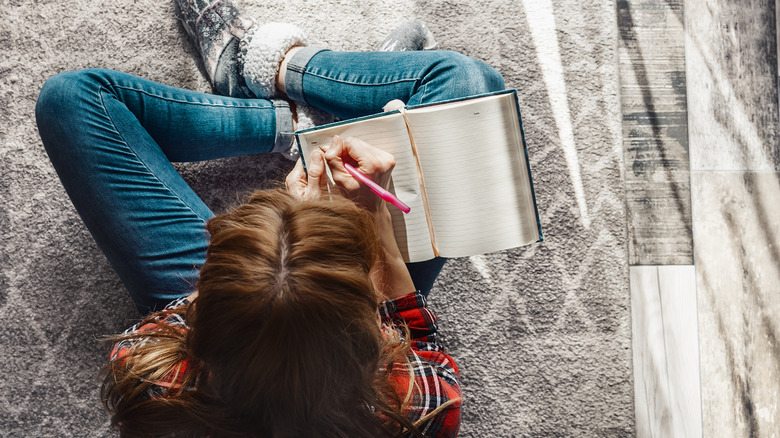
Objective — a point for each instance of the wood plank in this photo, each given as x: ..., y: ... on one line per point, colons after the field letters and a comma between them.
x: 665, y: 349
x: 737, y: 235
x: 731, y: 58
x: 655, y: 131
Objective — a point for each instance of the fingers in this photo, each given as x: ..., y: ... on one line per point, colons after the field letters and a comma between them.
x: 368, y: 160
x: 393, y: 105
x: 374, y: 163
x: 295, y: 182
x: 295, y: 174
x: 317, y: 176
x: 363, y: 156
x: 334, y: 155
x: 308, y: 186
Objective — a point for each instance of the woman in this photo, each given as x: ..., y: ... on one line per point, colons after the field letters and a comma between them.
x: 293, y: 314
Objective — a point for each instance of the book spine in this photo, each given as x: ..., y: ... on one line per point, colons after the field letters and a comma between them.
x: 528, y: 167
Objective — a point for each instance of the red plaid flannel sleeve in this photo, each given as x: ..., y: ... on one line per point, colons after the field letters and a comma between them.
x: 435, y: 372
x: 122, y: 348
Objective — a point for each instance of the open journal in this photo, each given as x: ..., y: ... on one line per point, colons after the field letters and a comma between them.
x: 462, y: 167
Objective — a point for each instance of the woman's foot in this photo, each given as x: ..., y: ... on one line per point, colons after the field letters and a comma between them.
x: 412, y: 35
x: 216, y: 27
x: 263, y: 51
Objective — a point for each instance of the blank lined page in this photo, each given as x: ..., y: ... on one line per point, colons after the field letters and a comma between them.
x: 476, y: 177
x: 389, y: 134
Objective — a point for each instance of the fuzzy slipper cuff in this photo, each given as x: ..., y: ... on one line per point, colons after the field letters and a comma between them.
x: 310, y: 117
x: 266, y: 47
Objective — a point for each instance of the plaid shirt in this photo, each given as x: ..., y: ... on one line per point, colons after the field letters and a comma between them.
x: 435, y: 373
x: 436, y: 377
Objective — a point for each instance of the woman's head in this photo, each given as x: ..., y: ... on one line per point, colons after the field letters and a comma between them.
x: 285, y: 320
x: 284, y: 338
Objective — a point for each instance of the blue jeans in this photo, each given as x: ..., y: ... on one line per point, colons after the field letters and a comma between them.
x: 112, y: 137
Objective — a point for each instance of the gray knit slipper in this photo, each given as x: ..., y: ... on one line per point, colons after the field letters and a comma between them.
x: 409, y: 36
x: 216, y: 28
x: 262, y: 50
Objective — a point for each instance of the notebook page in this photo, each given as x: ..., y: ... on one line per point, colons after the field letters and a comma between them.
x: 388, y: 133
x: 475, y: 173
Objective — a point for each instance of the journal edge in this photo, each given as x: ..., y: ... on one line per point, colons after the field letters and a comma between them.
x: 528, y: 166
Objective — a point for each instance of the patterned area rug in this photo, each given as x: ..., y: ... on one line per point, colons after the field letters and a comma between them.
x: 541, y: 334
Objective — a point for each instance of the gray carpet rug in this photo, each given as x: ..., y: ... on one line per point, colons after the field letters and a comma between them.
x: 541, y: 333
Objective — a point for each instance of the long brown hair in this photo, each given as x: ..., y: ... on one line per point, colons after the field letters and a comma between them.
x: 284, y: 335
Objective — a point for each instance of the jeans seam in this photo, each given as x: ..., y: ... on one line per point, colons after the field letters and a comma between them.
x: 359, y: 83
x: 168, y: 99
x: 296, y: 68
x: 116, y: 129
x: 422, y: 92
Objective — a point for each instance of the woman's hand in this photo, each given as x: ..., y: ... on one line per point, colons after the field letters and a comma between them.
x: 374, y: 163
x: 307, y: 186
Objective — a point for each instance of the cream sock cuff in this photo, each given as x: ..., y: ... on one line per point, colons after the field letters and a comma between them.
x: 309, y: 116
x: 265, y: 50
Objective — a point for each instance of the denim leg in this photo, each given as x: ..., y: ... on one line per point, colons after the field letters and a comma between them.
x: 349, y: 84
x: 111, y: 138
x: 357, y: 84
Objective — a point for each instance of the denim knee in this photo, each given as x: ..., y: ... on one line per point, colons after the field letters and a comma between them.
x: 471, y: 76
x: 455, y: 75
x: 65, y: 101
x: 53, y: 98
x: 61, y: 95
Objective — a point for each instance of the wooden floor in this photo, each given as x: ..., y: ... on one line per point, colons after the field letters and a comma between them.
x: 700, y: 124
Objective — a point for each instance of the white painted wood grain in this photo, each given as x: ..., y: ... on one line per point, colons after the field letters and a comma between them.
x: 737, y: 235
x: 665, y: 351
x: 731, y: 74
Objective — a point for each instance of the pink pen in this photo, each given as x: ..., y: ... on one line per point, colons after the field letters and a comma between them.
x: 382, y: 193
